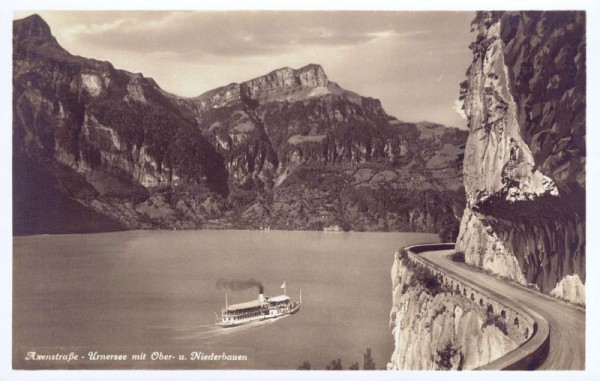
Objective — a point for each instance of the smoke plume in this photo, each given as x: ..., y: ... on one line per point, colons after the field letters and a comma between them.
x: 238, y: 285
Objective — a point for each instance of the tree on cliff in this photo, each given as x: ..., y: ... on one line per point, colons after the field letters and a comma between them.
x: 305, y: 366
x: 446, y: 355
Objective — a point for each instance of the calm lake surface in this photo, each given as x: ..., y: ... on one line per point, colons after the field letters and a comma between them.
x: 155, y: 291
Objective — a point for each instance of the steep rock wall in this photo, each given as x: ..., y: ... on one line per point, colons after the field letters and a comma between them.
x: 94, y: 119
x: 284, y: 83
x: 426, y: 316
x: 524, y: 165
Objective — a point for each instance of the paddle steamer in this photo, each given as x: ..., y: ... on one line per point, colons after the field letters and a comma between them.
x: 262, y: 308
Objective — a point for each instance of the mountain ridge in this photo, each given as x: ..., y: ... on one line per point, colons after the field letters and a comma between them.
x: 230, y: 157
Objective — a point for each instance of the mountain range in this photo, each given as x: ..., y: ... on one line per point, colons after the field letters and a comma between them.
x: 99, y: 149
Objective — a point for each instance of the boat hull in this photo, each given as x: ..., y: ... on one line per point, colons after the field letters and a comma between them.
x: 230, y: 324
x: 223, y: 324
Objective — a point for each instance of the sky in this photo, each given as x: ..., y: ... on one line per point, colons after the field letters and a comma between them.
x: 412, y: 61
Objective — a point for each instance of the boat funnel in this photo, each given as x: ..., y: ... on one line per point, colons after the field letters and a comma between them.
x: 261, y: 293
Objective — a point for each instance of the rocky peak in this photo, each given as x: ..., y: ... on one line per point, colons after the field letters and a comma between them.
x: 33, y: 32
x: 312, y: 75
x: 287, y: 83
x: 282, y: 84
x: 32, y: 26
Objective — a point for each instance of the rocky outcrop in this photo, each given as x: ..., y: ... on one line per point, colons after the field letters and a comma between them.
x: 427, y: 317
x: 219, y: 97
x: 283, y: 84
x: 286, y: 84
x: 524, y: 164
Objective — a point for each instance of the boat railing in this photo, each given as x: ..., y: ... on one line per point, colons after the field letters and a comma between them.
x: 235, y: 314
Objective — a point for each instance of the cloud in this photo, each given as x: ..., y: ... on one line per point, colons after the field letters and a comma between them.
x: 76, y: 31
x: 196, y: 35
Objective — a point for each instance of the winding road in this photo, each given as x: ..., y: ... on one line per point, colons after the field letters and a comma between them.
x: 566, y: 321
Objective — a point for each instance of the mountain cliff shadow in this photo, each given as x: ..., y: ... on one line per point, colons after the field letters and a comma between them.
x: 39, y: 208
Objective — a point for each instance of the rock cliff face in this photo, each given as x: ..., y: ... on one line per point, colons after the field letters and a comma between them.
x: 524, y: 167
x: 286, y: 84
x: 524, y: 177
x: 288, y: 150
x: 426, y: 317
x: 107, y: 136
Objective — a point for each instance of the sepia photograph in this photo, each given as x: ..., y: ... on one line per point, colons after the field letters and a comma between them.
x: 374, y: 190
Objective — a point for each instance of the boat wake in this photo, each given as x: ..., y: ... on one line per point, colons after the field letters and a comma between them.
x: 209, y: 333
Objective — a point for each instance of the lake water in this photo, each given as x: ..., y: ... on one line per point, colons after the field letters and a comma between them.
x: 127, y: 293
